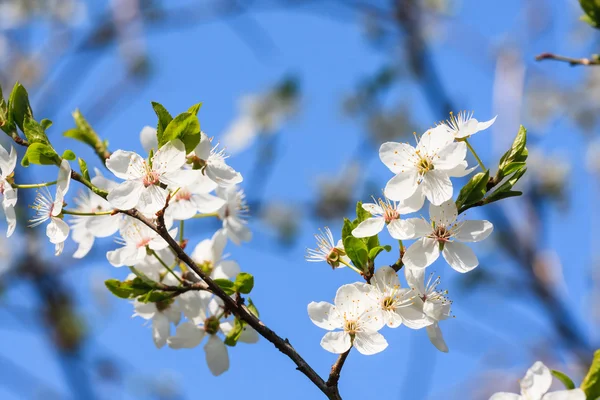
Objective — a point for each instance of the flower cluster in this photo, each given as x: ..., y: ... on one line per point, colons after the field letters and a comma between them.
x: 421, y: 172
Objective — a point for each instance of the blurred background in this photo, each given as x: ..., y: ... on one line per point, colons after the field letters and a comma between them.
x: 302, y: 93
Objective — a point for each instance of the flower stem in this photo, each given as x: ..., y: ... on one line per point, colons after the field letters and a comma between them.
x: 475, y: 155
x: 33, y: 185
x: 352, y: 267
x: 206, y: 215
x: 166, y: 266
x: 181, y: 226
x: 86, y: 214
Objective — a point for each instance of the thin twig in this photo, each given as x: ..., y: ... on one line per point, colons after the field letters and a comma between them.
x: 594, y: 60
x: 336, y: 369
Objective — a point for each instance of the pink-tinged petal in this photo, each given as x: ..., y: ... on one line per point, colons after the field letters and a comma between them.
x: 402, y: 186
x: 169, y: 158
x: 437, y: 339
x: 536, y: 382
x: 398, y: 157
x: 336, y: 342
x: 126, y: 165
x: 223, y: 174
x: 437, y: 187
x: 127, y: 195
x: 226, y: 269
x: 401, y: 229
x: 57, y: 230
x: 460, y: 257
x: 369, y: 343
x: 187, y: 336
x: 434, y: 140
x: 217, y: 356
x: 148, y: 138
x: 450, y: 156
x: 161, y: 329
x: 444, y: 214
x: 369, y: 227
x: 324, y: 315
x: 474, y: 231
x: 575, y: 394
x: 421, y: 253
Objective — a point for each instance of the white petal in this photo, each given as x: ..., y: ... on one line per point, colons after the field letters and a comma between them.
x: 336, y: 342
x: 324, y: 315
x: 202, y: 150
x: 413, y: 315
x: 416, y: 279
x: 161, y: 329
x: 402, y: 186
x: 506, y: 396
x: 372, y: 208
x: 144, y: 310
x: 444, y: 214
x: 435, y: 140
x: 575, y: 394
x: 152, y: 199
x: 412, y: 204
x: 420, y: 227
x: 474, y: 231
x: 148, y: 138
x: 169, y: 158
x: 11, y: 219
x: 460, y: 256
x: 249, y: 335
x: 536, y: 382
x: 398, y: 157
x: 369, y: 343
x: 435, y: 336
x: 85, y: 242
x: 203, y: 252
x: 207, y: 203
x: 127, y: 255
x: 57, y: 230
x: 125, y: 164
x: 219, y: 241
x: 64, y: 178
x: 226, y: 269
x: 437, y: 187
x: 182, y: 210
x: 351, y: 301
x: 187, y: 336
x: 460, y: 170
x: 401, y: 229
x: 421, y: 253
x: 386, y: 280
x: 450, y: 156
x: 369, y: 227
x: 484, y: 125
x: 223, y: 174
x: 127, y: 195
x: 237, y: 231
x: 217, y: 357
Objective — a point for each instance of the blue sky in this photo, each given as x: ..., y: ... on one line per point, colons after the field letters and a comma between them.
x: 211, y: 63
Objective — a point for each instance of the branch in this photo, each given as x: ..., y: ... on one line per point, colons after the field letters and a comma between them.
x: 594, y: 60
x: 336, y: 369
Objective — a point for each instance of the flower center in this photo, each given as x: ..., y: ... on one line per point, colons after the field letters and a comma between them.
x: 207, y: 267
x: 442, y: 234
x: 424, y: 165
x: 151, y: 178
x: 211, y: 325
x: 183, y: 194
x: 164, y: 304
x: 143, y: 242
x: 351, y: 327
x: 388, y: 304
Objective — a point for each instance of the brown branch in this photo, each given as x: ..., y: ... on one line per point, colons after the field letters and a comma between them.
x: 336, y: 369
x: 594, y: 60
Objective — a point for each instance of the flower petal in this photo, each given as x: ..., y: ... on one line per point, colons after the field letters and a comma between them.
x: 474, y: 231
x: 450, y: 156
x: 386, y: 280
x: 437, y: 187
x: 536, y: 382
x: 169, y: 158
x: 226, y: 269
x: 324, y: 315
x: 369, y: 343
x: 402, y: 186
x: 126, y: 195
x: 460, y: 256
x: 575, y: 394
x: 126, y: 164
x: 369, y: 227
x: 421, y: 253
x: 484, y: 125
x: 223, y: 174
x: 148, y: 138
x: 187, y: 336
x: 11, y: 219
x: 506, y: 396
x: 444, y: 214
x: 161, y: 329
x: 398, y: 157
x: 336, y: 342
x: 57, y: 230
x: 217, y: 357
x: 437, y: 339
x: 401, y: 229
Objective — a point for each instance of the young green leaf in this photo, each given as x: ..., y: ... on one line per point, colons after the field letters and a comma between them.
x: 234, y: 335
x: 244, y: 283
x: 505, y: 190
x: 184, y: 127
x: 18, y: 106
x: 195, y: 108
x: 164, y: 118
x: 252, y: 307
x: 361, y: 214
x: 374, y: 252
x: 69, y: 155
x: 227, y: 286
x: 569, y: 385
x: 84, y: 169
x: 34, y: 132
x: 474, y: 190
x: 592, y: 12
x: 516, y: 154
x: 127, y: 289
x: 41, y: 154
x: 355, y: 248
x: 155, y: 296
x: 591, y: 382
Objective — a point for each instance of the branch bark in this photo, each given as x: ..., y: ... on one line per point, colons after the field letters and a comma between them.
x: 594, y: 60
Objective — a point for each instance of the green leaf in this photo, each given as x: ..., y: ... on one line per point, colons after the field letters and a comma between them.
x: 195, y: 108
x: 252, y: 307
x: 41, y: 154
x: 235, y: 333
x: 141, y: 276
x: 569, y: 385
x: 361, y: 214
x: 474, y: 190
x: 516, y: 154
x: 591, y: 382
x: 34, y: 132
x: 69, y: 155
x: 244, y: 283
x: 592, y: 12
x: 371, y: 242
x: 84, y: 169
x: 503, y: 191
x: 355, y: 248
x: 184, y: 127
x: 374, y: 252
x: 227, y: 286
x: 155, y: 296
x: 18, y: 106
x: 84, y: 133
x: 127, y: 289
x: 45, y: 123
x: 164, y: 118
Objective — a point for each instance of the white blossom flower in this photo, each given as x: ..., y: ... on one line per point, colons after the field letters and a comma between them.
x: 162, y: 314
x: 445, y: 235
x: 202, y: 323
x: 394, y: 302
x: 195, y: 198
x: 9, y: 200
x: 135, y: 238
x: 387, y: 213
x: 233, y: 214
x: 535, y: 386
x: 84, y: 229
x: 426, y: 169
x: 208, y: 254
x: 141, y: 187
x: 51, y: 209
x: 356, y: 314
x: 149, y: 138
x: 463, y: 125
x: 212, y: 163
x: 429, y: 303
x: 328, y: 250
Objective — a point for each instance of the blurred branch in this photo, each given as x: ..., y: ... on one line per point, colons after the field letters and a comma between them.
x: 594, y: 60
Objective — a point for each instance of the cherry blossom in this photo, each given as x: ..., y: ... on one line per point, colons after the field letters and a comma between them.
x: 387, y: 213
x: 48, y: 208
x: 9, y: 199
x: 426, y: 169
x: 212, y: 162
x: 535, y: 386
x: 208, y: 254
x: 162, y: 314
x: 195, y: 198
x: 328, y: 250
x: 356, y: 314
x: 463, y: 125
x: 445, y: 235
x: 233, y: 214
